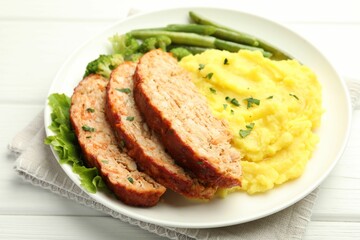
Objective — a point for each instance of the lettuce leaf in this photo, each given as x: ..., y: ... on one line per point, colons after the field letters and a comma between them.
x: 65, y: 144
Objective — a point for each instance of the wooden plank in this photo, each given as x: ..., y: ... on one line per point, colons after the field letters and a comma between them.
x: 31, y: 56
x: 69, y: 227
x: 94, y: 228
x: 332, y: 231
x: 290, y: 11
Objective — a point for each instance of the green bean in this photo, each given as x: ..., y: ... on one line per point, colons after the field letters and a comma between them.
x: 236, y: 37
x: 176, y: 37
x: 215, y: 32
x: 192, y: 28
x: 276, y: 53
x: 193, y: 39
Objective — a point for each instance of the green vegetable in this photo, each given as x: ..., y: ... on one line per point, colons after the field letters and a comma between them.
x: 191, y: 49
x: 201, y: 66
x: 209, y: 75
x: 208, y: 28
x: 90, y: 110
x: 226, y: 61
x: 154, y: 42
x: 247, y: 131
x: 162, y: 42
x: 123, y: 90
x: 125, y: 45
x: 88, y: 129
x: 233, y: 101
x: 192, y: 28
x: 89, y: 178
x: 122, y: 144
x: 251, y: 101
x: 103, y: 65
x: 212, y: 90
x: 176, y: 37
x: 64, y: 143
x: 130, y: 118
x: 194, y: 39
x: 148, y: 44
x: 293, y: 95
x: 130, y: 179
x: 239, y: 37
x: 180, y: 52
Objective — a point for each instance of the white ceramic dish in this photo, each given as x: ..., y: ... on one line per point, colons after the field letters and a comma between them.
x: 238, y: 207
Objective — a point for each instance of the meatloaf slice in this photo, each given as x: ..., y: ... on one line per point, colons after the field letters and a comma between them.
x: 173, y: 107
x: 99, y: 146
x: 142, y: 144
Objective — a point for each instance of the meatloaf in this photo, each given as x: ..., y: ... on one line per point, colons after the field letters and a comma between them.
x: 99, y: 146
x: 172, y: 106
x: 142, y: 144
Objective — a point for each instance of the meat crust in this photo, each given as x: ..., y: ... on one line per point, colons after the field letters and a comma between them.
x: 172, y: 107
x: 100, y: 148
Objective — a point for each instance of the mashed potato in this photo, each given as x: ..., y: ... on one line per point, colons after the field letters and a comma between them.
x: 272, y: 108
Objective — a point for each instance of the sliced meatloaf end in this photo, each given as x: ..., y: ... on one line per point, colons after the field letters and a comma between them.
x: 100, y: 148
x: 172, y: 106
x: 142, y: 144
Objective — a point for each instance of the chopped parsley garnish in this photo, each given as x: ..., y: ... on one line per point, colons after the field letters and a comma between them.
x: 233, y: 101
x: 232, y: 112
x: 123, y: 90
x: 251, y: 101
x: 293, y: 95
x: 201, y: 66
x: 212, y: 90
x: 90, y: 110
x: 209, y: 75
x: 105, y: 161
x: 243, y: 133
x: 226, y: 61
x: 88, y: 136
x: 88, y: 129
x: 129, y: 118
x: 225, y: 106
x: 130, y: 179
x: 122, y: 144
x: 200, y: 163
x: 270, y: 97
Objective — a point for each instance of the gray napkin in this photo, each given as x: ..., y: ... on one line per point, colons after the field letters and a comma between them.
x: 37, y: 165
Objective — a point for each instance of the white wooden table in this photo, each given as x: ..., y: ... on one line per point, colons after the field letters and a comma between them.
x: 37, y: 36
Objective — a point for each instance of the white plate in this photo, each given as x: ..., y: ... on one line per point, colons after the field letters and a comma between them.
x: 238, y: 207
